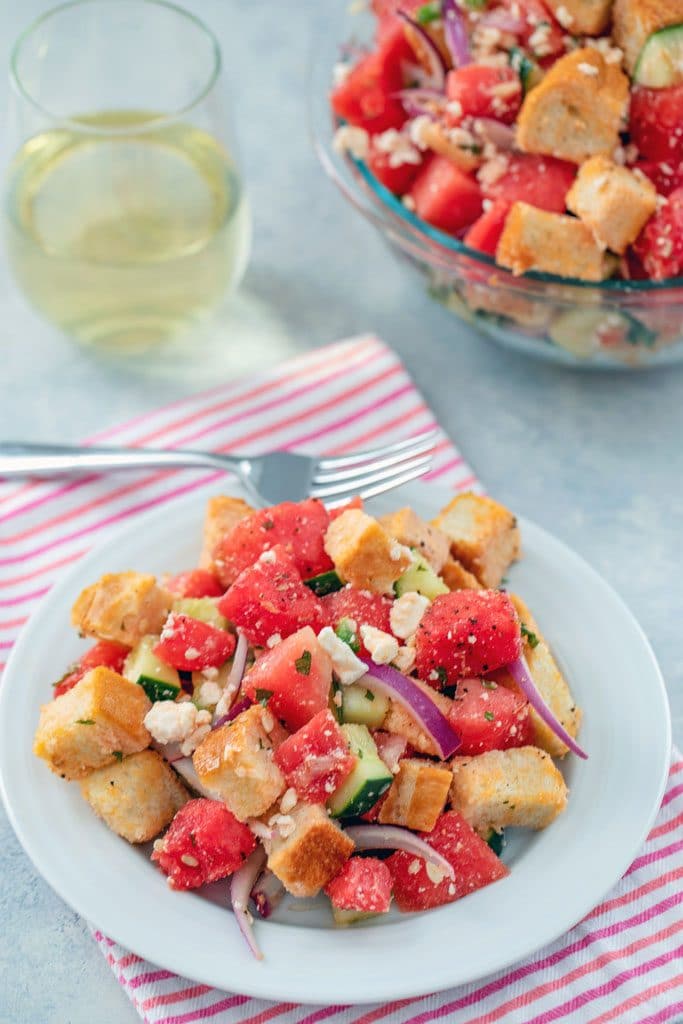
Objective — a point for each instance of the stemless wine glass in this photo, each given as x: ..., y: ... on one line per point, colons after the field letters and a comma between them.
x: 125, y: 214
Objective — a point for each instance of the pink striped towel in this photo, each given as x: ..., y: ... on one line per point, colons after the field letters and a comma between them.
x: 622, y: 963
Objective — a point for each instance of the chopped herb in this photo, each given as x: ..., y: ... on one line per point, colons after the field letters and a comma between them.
x: 369, y: 695
x: 85, y: 721
x: 530, y: 637
x: 118, y: 754
x: 504, y: 581
x: 476, y: 5
x: 347, y: 633
x: 268, y: 524
x: 71, y: 669
x: 428, y: 13
x: 263, y: 696
x: 303, y: 664
x: 442, y: 674
x: 421, y: 568
x: 359, y: 752
x: 488, y: 715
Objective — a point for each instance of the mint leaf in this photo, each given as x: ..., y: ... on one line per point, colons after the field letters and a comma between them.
x: 303, y: 664
x: 263, y: 696
x: 530, y: 637
x: 489, y: 716
x: 428, y: 13
x: 85, y: 721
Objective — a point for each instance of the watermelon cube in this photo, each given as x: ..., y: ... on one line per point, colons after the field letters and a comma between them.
x: 419, y: 886
x: 487, y: 716
x: 190, y: 645
x: 485, y: 233
x: 363, y: 885
x: 204, y: 842
x: 316, y: 759
x: 294, y: 679
x: 464, y: 634
x: 270, y: 599
x: 445, y: 196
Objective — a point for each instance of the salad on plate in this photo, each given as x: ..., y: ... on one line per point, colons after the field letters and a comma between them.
x: 546, y: 134
x: 329, y: 702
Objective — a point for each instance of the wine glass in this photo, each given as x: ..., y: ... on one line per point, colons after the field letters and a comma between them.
x: 125, y: 214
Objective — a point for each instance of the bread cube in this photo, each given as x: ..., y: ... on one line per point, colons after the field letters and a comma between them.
x: 582, y: 17
x: 457, y: 577
x: 614, y: 202
x: 533, y: 239
x: 100, y: 718
x: 397, y: 720
x: 483, y: 534
x: 634, y: 21
x: 417, y: 796
x: 235, y: 763
x: 137, y: 796
x: 363, y: 552
x: 312, y: 853
x: 122, y: 606
x: 222, y: 513
x: 577, y: 110
x: 407, y: 528
x: 518, y: 788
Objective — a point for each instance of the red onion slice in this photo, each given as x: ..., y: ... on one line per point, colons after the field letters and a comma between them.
x: 405, y: 691
x: 519, y: 670
x: 241, y: 884
x: 455, y: 31
x: 267, y: 893
x: 232, y: 714
x: 391, y: 837
x: 239, y: 662
x: 436, y: 75
x: 503, y: 20
x: 417, y: 102
x: 186, y: 770
x: 500, y: 135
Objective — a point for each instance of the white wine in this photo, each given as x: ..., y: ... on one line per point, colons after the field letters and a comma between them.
x: 125, y: 234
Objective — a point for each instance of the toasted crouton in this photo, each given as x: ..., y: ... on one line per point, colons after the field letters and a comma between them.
x: 235, y: 763
x: 397, y: 720
x: 417, y: 795
x: 533, y: 239
x: 520, y: 787
x: 122, y: 606
x: 457, y: 577
x: 577, y: 110
x: 222, y: 513
x: 363, y: 552
x: 636, y: 20
x: 483, y: 535
x: 614, y: 202
x: 582, y: 17
x: 407, y: 528
x: 136, y: 797
x: 312, y: 853
x: 101, y: 717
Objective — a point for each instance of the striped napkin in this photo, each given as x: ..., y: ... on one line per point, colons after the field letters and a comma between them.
x: 622, y: 963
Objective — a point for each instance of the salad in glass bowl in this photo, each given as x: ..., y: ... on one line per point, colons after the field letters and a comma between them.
x: 526, y: 157
x: 325, y: 684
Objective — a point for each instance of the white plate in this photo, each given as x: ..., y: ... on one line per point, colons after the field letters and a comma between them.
x: 556, y: 877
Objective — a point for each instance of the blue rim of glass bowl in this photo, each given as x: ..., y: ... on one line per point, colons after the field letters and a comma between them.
x: 394, y: 204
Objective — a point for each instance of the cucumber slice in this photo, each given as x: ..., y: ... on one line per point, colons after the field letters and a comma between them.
x: 336, y: 695
x: 660, y: 63
x: 158, y: 680
x: 325, y: 583
x: 346, y: 631
x: 368, y: 780
x: 202, y: 608
x: 584, y: 331
x: 363, y: 707
x: 343, y: 918
x: 496, y: 841
x: 530, y: 74
x: 420, y: 577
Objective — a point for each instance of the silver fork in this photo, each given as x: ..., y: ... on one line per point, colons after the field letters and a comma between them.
x: 271, y: 478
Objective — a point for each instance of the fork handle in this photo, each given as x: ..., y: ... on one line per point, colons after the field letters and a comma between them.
x: 21, y: 460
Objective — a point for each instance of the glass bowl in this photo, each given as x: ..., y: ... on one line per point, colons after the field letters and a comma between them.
x: 614, y: 324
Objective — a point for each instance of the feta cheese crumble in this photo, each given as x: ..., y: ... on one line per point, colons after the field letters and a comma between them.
x: 406, y: 613
x: 355, y: 141
x: 398, y: 147
x: 210, y: 694
x: 381, y: 646
x: 169, y: 722
x: 347, y: 667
